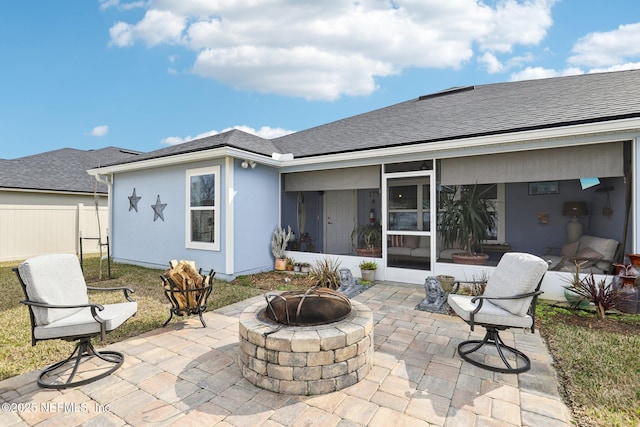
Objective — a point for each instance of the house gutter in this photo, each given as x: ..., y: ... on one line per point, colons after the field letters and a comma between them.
x: 178, y: 159
x: 107, y: 179
x: 582, y: 134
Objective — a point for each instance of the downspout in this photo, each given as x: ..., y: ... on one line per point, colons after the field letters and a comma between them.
x: 108, y: 181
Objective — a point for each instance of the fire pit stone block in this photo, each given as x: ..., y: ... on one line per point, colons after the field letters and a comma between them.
x: 306, y: 360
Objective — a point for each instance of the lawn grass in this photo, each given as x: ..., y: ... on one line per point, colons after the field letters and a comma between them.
x: 17, y: 356
x: 598, y: 366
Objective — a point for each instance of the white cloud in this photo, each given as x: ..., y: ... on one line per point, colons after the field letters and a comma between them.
x: 532, y: 73
x: 608, y: 48
x: 618, y: 67
x: 157, y: 27
x: 492, y: 64
x: 100, y: 130
x: 106, y: 4
x: 264, y: 132
x: 518, y: 23
x: 325, y: 50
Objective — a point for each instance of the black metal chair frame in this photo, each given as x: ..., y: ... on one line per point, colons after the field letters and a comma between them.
x: 201, y: 295
x: 83, y: 350
x: 492, y: 336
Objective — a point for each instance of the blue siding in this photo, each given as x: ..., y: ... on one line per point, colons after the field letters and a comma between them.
x: 138, y: 239
x: 256, y: 206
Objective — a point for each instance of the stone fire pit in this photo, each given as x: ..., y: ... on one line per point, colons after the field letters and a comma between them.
x: 305, y: 360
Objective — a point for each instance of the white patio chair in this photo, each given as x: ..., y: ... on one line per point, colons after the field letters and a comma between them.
x: 59, y: 308
x: 508, y: 301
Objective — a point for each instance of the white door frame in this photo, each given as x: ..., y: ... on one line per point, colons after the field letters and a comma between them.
x: 406, y: 274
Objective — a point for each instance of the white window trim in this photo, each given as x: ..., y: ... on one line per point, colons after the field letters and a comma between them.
x: 215, y: 246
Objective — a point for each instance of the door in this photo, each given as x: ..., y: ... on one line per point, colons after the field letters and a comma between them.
x: 409, y: 225
x: 339, y: 219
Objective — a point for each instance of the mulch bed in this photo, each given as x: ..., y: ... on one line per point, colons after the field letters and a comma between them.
x: 594, y: 322
x: 273, y: 280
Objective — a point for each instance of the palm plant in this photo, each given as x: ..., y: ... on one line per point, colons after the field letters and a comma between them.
x: 466, y: 216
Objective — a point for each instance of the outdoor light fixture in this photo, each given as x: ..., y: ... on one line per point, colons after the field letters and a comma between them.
x: 246, y: 163
x: 574, y: 227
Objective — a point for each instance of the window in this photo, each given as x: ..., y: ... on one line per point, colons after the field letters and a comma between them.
x: 203, y: 216
x: 409, y: 206
x: 493, y: 193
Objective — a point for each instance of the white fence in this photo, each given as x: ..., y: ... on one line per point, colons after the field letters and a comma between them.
x: 27, y: 231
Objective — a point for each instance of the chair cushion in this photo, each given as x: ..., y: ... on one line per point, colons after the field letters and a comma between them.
x: 82, y: 322
x: 588, y: 257
x: 569, y: 249
x: 607, y: 247
x: 421, y: 252
x: 54, y: 279
x: 397, y: 241
x: 489, y: 314
x: 411, y: 241
x: 516, y: 273
x: 398, y: 250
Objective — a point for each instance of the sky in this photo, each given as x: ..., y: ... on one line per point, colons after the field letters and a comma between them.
x: 145, y: 74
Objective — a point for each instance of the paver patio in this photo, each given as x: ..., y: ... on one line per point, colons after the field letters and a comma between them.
x: 186, y: 375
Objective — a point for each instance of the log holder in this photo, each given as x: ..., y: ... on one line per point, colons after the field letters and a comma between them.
x: 194, y: 300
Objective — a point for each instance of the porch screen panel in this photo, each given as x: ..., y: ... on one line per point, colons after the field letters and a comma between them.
x: 596, y: 160
x: 333, y: 179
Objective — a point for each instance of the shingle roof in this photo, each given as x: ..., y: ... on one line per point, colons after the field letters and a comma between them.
x: 448, y: 115
x: 234, y: 138
x: 60, y: 170
x: 477, y: 110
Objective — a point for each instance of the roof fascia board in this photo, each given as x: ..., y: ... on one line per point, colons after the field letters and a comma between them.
x: 593, y: 133
x: 178, y: 159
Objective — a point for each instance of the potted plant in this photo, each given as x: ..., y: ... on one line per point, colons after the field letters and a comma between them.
x: 465, y: 218
x: 446, y: 282
x: 627, y: 276
x: 368, y: 239
x: 290, y: 263
x: 368, y: 270
x: 603, y: 296
x: 574, y: 299
x: 305, y: 267
x: 279, y: 241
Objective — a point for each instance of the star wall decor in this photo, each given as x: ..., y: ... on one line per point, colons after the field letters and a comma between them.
x: 158, y: 208
x: 133, y: 200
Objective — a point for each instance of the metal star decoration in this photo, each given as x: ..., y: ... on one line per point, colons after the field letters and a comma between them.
x: 157, y: 209
x: 133, y: 201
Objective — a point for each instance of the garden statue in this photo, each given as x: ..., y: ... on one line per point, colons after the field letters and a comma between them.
x: 349, y: 285
x: 436, y: 298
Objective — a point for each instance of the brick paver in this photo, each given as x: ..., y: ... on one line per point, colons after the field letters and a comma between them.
x: 188, y: 375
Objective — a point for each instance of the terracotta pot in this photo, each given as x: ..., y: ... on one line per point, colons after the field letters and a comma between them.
x: 634, y: 259
x: 628, y: 281
x: 281, y: 264
x: 375, y: 252
x: 464, y: 258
